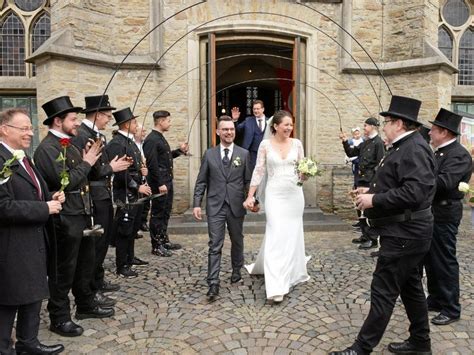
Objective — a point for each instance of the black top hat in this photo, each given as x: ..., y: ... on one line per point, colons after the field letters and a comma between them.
x: 122, y: 116
x: 449, y: 120
x: 97, y: 103
x: 403, y: 107
x: 161, y: 113
x: 57, y: 107
x: 372, y: 121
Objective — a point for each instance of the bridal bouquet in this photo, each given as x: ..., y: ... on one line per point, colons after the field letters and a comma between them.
x: 464, y: 187
x: 6, y: 171
x: 63, y: 175
x: 306, y: 167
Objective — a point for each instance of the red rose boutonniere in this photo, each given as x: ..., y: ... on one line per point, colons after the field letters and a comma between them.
x: 63, y: 175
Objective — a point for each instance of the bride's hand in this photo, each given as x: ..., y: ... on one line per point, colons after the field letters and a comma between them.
x: 303, y: 177
x: 248, y: 203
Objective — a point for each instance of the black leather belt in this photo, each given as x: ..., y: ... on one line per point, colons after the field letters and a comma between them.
x: 73, y: 192
x: 101, y: 183
x: 403, y: 217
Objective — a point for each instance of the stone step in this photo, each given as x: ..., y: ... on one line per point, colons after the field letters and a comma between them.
x: 314, y: 220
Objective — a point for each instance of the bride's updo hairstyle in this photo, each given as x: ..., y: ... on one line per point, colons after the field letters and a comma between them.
x: 278, y: 118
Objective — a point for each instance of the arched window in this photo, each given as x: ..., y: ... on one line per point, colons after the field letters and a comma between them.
x: 456, y: 12
x: 445, y: 43
x: 29, y: 5
x: 12, y: 46
x: 466, y: 58
x: 41, y: 31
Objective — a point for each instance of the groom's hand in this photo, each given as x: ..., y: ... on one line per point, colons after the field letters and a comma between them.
x: 197, y: 213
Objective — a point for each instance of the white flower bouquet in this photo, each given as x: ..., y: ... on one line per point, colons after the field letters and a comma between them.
x: 306, y: 168
x: 464, y: 187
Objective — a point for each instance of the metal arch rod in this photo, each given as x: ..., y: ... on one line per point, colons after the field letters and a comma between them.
x: 256, y: 55
x: 254, y: 13
x: 258, y: 80
x: 353, y: 38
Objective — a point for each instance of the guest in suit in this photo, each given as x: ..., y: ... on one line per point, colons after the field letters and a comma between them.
x: 252, y: 129
x: 225, y: 173
x: 98, y: 113
x: 25, y: 207
x: 127, y: 186
x: 76, y: 253
x: 159, y: 159
x: 454, y: 165
x: 139, y: 140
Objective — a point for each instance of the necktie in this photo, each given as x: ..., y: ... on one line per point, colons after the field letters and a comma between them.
x: 30, y: 172
x: 260, y: 124
x: 226, y: 159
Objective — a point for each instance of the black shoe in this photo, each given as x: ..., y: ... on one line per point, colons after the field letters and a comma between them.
x: 126, y: 271
x: 441, y: 319
x: 407, y: 348
x: 236, y: 276
x: 67, y: 329
x: 38, y: 349
x: 144, y: 227
x: 139, y: 262
x: 369, y: 244
x: 213, y: 292
x: 102, y: 300
x: 348, y: 351
x: 359, y: 240
x: 109, y: 287
x: 161, y: 251
x: 375, y: 254
x: 356, y: 225
x: 172, y: 246
x: 96, y: 312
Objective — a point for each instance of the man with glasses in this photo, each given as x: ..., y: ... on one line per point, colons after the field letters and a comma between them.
x: 98, y: 114
x: 398, y: 206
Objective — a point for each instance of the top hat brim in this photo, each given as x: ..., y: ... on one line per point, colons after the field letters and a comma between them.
x: 400, y: 115
x: 450, y: 129
x: 128, y: 119
x: 48, y: 120
x: 98, y: 109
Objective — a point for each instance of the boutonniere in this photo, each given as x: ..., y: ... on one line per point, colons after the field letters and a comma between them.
x: 6, y: 171
x: 237, y: 162
x: 63, y: 175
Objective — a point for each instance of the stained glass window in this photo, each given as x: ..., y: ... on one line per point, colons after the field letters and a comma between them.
x: 41, y: 32
x: 466, y: 58
x: 456, y: 12
x: 12, y: 47
x: 445, y: 43
x: 29, y: 5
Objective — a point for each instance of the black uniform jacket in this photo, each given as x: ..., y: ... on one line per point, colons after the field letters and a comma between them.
x: 101, y: 172
x: 370, y: 152
x: 45, y: 159
x: 405, y: 180
x: 454, y: 165
x: 23, y: 237
x: 159, y: 160
x: 130, y: 179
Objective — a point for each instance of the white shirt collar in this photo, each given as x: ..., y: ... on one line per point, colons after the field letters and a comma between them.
x: 373, y: 135
x: 230, y: 147
x: 10, y: 149
x: 446, y: 143
x: 401, y: 136
x: 59, y: 134
x: 91, y: 125
x: 127, y: 135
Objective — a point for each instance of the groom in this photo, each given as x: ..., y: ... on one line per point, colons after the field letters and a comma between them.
x: 225, y: 173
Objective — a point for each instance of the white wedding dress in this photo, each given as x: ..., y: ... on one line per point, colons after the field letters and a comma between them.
x: 281, y: 258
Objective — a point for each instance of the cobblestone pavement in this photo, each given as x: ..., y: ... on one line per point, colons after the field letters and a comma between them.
x: 165, y: 310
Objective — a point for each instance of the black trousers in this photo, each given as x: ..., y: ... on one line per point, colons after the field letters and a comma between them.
x: 216, y: 225
x: 103, y: 215
x: 27, y: 325
x: 396, y: 274
x: 146, y: 210
x: 160, y: 212
x: 75, y: 268
x: 442, y: 270
x: 126, y: 225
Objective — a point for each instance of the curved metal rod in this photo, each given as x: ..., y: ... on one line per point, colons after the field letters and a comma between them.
x: 355, y: 40
x: 250, y: 55
x: 257, y: 80
x: 254, y: 13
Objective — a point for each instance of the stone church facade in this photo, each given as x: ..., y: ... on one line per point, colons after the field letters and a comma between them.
x: 310, y: 57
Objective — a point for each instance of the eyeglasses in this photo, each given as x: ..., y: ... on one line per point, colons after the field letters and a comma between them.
x: 110, y: 116
x: 387, y: 122
x: 22, y: 129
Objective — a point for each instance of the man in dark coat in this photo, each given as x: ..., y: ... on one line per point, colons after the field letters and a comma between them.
x: 454, y: 165
x: 159, y: 160
x: 127, y: 186
x: 252, y: 129
x: 98, y: 114
x: 75, y: 251
x: 370, y: 152
x: 25, y: 207
x: 398, y: 207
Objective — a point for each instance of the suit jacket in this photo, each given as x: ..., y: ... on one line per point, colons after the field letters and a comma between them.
x: 454, y: 165
x: 101, y: 172
x: 405, y: 180
x: 127, y: 181
x: 370, y: 152
x: 249, y: 127
x: 23, y: 236
x: 159, y: 160
x: 45, y: 160
x: 222, y: 185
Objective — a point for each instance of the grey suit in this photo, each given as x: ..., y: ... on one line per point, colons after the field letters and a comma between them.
x: 224, y: 204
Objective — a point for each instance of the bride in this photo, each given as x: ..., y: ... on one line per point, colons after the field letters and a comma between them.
x: 282, y: 255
